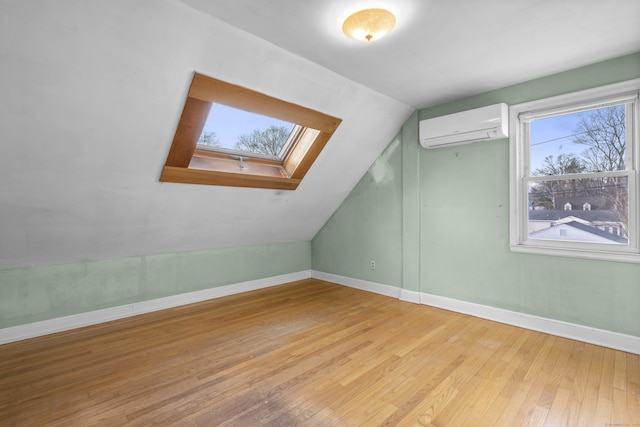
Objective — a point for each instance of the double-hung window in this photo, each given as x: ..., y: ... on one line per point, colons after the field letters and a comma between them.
x: 574, y: 174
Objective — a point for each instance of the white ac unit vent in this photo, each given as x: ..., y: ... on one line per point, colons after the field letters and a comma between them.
x: 480, y: 124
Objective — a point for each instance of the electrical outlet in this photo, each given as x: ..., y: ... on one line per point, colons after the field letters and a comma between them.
x: 373, y: 265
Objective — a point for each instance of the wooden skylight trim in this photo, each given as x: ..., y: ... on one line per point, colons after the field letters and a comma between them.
x: 187, y: 164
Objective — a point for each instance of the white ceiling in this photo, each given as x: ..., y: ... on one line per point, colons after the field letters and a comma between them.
x: 91, y: 92
x: 90, y: 97
x: 443, y: 50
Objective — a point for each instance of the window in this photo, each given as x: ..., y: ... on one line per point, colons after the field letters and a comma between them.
x: 230, y: 135
x: 573, y: 150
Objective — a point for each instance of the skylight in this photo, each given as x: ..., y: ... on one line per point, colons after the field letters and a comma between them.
x: 234, y: 136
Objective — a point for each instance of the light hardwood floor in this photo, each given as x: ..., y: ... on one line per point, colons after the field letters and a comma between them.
x: 312, y: 353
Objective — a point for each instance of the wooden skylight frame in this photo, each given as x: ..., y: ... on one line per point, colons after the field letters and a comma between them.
x: 188, y: 164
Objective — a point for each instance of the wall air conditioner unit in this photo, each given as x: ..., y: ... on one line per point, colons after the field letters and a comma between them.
x: 481, y: 124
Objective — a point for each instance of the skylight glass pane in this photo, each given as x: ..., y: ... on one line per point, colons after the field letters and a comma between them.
x: 240, y: 131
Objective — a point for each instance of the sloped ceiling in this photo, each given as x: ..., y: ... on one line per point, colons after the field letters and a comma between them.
x: 90, y: 96
x: 91, y: 92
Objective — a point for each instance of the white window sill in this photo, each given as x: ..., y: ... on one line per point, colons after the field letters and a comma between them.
x: 573, y: 253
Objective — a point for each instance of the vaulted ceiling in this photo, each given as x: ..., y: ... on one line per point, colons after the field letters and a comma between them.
x: 91, y: 93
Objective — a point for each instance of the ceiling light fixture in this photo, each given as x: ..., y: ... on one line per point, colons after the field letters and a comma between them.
x: 369, y: 24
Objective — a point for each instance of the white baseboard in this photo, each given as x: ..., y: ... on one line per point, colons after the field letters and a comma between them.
x: 378, y: 288
x: 628, y: 343
x: 587, y: 334
x: 45, y: 327
x: 410, y: 296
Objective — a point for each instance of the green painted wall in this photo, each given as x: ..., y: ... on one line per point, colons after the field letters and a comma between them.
x: 45, y: 292
x: 410, y: 205
x: 464, y: 217
x: 435, y: 221
x: 367, y: 226
x: 456, y: 207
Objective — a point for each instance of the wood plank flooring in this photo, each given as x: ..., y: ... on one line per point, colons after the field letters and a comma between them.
x: 312, y: 353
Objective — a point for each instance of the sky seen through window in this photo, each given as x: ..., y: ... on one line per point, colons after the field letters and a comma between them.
x: 229, y: 124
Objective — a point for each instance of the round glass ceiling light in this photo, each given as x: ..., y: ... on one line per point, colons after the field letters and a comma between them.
x: 369, y: 24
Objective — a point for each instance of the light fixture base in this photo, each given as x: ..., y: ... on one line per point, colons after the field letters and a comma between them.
x: 369, y: 24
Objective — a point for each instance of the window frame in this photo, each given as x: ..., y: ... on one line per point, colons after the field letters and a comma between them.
x: 186, y: 163
x: 520, y: 116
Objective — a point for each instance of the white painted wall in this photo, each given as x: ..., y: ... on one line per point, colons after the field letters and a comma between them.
x: 90, y: 95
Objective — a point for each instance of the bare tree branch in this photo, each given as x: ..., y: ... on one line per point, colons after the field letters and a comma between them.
x: 602, y: 131
x: 269, y: 141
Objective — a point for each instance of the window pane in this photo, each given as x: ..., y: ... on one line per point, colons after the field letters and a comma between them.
x: 251, y: 133
x: 582, y: 210
x: 588, y: 141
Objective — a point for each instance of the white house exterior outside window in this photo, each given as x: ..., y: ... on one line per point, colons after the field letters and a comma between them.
x: 574, y: 174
